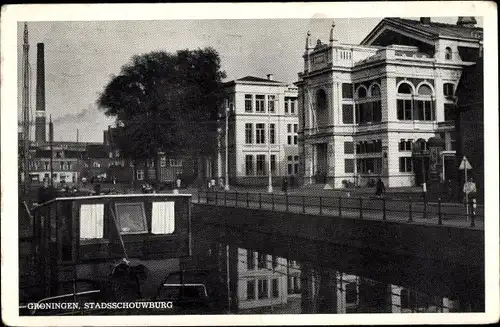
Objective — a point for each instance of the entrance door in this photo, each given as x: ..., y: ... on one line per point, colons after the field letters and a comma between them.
x: 321, y: 162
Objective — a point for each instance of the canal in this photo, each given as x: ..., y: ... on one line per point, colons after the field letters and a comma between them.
x: 258, y: 272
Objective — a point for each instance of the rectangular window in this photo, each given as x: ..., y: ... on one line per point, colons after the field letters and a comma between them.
x: 131, y: 218
x: 449, y: 111
x: 140, y: 174
x: 273, y: 164
x: 263, y: 289
x: 163, y: 217
x: 272, y: 133
x: 296, y: 168
x: 377, y: 111
x: 250, y: 290
x: 448, y: 89
x: 348, y: 147
x: 275, y: 288
x: 250, y: 260
x: 292, y: 106
x: 261, y: 261
x: 290, y: 169
x: 295, y: 128
x: 259, y: 103
x: 295, y: 139
x: 163, y: 162
x: 405, y: 164
x: 349, y: 165
x: 289, y: 139
x: 248, y: 133
x: 249, y: 165
x: 261, y: 164
x: 46, y: 165
x: 91, y: 221
x: 274, y: 261
x: 286, y: 105
x: 404, y: 109
x: 346, y: 91
x: 347, y: 114
x: 61, y: 165
x: 289, y: 128
x: 260, y: 134
x: 248, y: 103
x: 270, y: 102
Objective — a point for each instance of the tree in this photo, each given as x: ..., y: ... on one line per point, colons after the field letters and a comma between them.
x: 166, y: 102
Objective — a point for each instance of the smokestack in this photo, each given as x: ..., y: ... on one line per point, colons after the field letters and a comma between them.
x: 40, y: 120
x: 466, y: 21
x: 270, y: 77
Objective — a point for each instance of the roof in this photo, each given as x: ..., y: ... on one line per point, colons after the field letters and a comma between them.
x: 432, y: 29
x: 256, y: 79
x: 97, y: 151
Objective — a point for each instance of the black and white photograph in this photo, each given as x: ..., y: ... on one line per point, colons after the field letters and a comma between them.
x: 258, y: 163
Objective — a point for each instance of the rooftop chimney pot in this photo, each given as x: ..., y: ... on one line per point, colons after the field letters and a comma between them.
x: 270, y: 77
x: 425, y: 20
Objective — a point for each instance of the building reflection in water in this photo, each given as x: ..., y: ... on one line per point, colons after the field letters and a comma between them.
x: 246, y: 281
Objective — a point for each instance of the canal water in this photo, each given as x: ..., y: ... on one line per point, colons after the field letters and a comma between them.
x: 259, y: 273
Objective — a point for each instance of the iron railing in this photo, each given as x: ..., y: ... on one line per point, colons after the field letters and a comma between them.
x: 371, y: 207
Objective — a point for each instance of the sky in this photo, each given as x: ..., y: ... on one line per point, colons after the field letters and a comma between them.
x: 81, y: 57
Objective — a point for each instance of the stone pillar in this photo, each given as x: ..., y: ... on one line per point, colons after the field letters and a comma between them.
x: 327, y: 300
x: 389, y: 103
x: 307, y: 289
x: 395, y: 298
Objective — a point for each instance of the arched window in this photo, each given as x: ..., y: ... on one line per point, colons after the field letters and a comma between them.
x: 447, y: 53
x: 375, y: 91
x: 424, y: 90
x: 361, y: 92
x: 405, y: 88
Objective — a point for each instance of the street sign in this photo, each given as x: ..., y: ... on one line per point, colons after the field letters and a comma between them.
x: 465, y: 164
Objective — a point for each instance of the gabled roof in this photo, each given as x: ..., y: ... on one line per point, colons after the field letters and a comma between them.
x: 431, y: 30
x: 257, y: 80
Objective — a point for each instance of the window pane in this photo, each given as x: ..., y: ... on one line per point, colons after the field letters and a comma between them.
x: 404, y: 88
x: 131, y: 218
x: 375, y: 91
x: 347, y: 114
x: 261, y: 164
x: 163, y: 217
x: 361, y: 92
x: 259, y: 103
x: 248, y: 133
x: 250, y: 260
x: 248, y: 102
x: 348, y: 147
x: 249, y: 165
x: 250, y: 290
x: 400, y: 105
x: 272, y: 133
x: 346, y: 91
x: 276, y: 292
x: 91, y: 221
x: 270, y: 103
x: 424, y: 90
x: 349, y: 165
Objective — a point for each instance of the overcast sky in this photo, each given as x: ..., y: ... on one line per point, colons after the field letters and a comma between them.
x: 81, y: 57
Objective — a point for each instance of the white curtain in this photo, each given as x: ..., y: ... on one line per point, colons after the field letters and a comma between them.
x: 91, y: 221
x: 163, y: 217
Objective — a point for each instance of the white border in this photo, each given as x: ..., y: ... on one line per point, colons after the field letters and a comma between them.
x: 18, y: 13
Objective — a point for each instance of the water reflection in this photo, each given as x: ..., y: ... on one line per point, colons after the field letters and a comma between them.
x: 250, y: 280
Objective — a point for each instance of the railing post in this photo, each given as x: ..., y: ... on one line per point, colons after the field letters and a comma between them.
x: 303, y: 204
x: 248, y: 203
x: 424, y: 215
x: 410, y: 219
x: 473, y: 213
x: 286, y: 201
x: 361, y: 208
x: 225, y: 198
x: 384, y: 216
x: 320, y: 205
x: 236, y: 199
x: 440, y: 218
x: 260, y: 201
x: 216, y: 198
x: 340, y: 206
x: 272, y: 200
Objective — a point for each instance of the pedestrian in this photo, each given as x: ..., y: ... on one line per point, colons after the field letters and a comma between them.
x: 379, y: 188
x: 285, y: 184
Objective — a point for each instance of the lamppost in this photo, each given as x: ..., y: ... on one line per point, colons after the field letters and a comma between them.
x: 226, y: 184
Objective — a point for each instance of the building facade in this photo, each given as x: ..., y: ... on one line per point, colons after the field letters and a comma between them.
x: 262, y: 131
x: 362, y: 108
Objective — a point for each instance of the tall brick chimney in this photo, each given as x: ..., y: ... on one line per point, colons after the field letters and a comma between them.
x: 40, y: 120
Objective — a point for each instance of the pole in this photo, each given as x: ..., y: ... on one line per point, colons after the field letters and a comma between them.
x: 466, y: 193
x: 51, y: 142
x: 226, y: 184
x: 228, y: 280
x: 270, y: 178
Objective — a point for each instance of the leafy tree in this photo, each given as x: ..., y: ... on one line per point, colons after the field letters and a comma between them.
x: 166, y: 102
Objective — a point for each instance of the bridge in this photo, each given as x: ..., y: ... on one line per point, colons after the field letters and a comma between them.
x: 420, y: 229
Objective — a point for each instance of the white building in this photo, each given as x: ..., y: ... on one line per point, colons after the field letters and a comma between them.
x: 362, y: 107
x: 263, y: 126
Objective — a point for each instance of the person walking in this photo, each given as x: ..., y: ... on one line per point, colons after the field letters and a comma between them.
x: 379, y: 188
